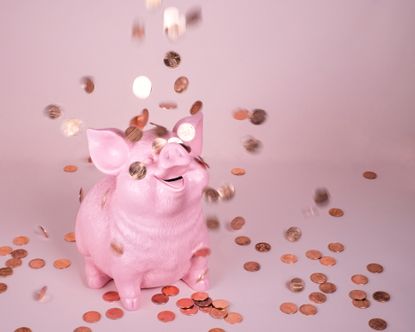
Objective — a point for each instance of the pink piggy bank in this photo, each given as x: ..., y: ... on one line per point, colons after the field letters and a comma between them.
x: 143, y: 225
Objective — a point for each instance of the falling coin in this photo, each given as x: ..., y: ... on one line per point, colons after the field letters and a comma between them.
x: 181, y: 84
x: 237, y: 223
x: 201, y: 161
x: 252, y: 266
x: 114, y: 313
x: 140, y: 121
x: 381, y: 296
x: 53, y: 111
x: 318, y: 278
x: 19, y: 253
x: 193, y: 16
x: 263, y: 247
x: 184, y: 303
x: 62, y: 263
x: 360, y: 279
x: 252, y: 144
x: 241, y: 114
x: 88, y: 84
x: 111, y: 296
x: 258, y: 116
x: 70, y: 168
x: 21, y: 240
x: 196, y: 107
x: 288, y: 308
x: 313, y: 254
x: 242, y: 240
x: 226, y: 192
x: 133, y: 134
x: 138, y: 31
x: 172, y: 59
x: 357, y: 294
x: 137, y: 170
x: 159, y: 130
x: 327, y: 261
x: 289, y: 259
x: 308, y: 309
x: 69, y: 237
x: 378, y: 324
x: 166, y: 316
x: 13, y: 262
x: 296, y: 285
x: 212, y: 222
x: 293, y: 234
x: 170, y: 290
x: 71, y: 127
x: 238, y: 171
x: 41, y: 294
x: 91, y: 316
x: 158, y: 144
x: 317, y: 297
x: 6, y: 271
x: 361, y: 304
x: 5, y: 250
x: 335, y: 212
x: 336, y: 247
x: 211, y: 195
x: 375, y: 268
x: 3, y: 287
x: 44, y: 231
x: 82, y: 329
x: 327, y: 287
x: 217, y: 313
x: 321, y: 196
x: 370, y: 175
x: 233, y: 318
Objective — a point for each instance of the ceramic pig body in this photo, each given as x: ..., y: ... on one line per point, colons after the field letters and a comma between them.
x: 144, y: 232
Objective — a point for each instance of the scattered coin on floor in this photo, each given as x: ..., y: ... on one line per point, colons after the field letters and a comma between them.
x: 288, y: 308
x: 317, y: 297
x: 170, y: 290
x: 181, y: 84
x: 216, y: 329
x: 23, y: 329
x: 13, y: 262
x: 82, y: 329
x: 375, y: 268
x: 6, y: 271
x: 41, y: 293
x: 111, y: 296
x: 328, y: 261
x: 114, y: 313
x: 360, y: 279
x: 289, y: 258
x: 370, y: 175
x: 19, y: 253
x: 252, y: 266
x: 361, y: 304
x: 327, y: 287
x: 159, y: 298
x: 237, y: 223
x: 62, y: 263
x: 5, y: 250
x: 378, y: 324
x: 88, y: 84
x: 381, y: 296
x: 133, y: 134
x: 308, y: 309
x: 37, y: 263
x: 166, y: 316
x: 53, y: 111
x: 212, y: 223
x: 172, y: 59
x: 336, y: 247
x: 313, y: 254
x: 263, y: 247
x: 258, y: 116
x: 321, y: 196
x: 241, y: 114
x: 3, y: 287
x: 220, y: 304
x: 242, y: 240
x: 184, y: 303
x: 318, y: 278
x: 357, y: 294
x: 196, y: 107
x: 336, y: 212
x: 91, y: 316
x: 21, y: 240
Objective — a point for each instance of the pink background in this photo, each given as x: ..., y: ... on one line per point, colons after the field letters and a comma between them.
x: 337, y: 80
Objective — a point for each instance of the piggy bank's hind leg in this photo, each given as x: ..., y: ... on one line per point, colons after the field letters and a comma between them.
x: 129, y: 288
x: 95, y: 278
x: 197, y: 276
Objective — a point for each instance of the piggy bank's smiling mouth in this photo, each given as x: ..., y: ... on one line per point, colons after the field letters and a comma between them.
x: 176, y: 183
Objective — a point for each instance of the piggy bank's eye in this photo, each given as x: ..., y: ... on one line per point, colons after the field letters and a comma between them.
x: 137, y: 170
x: 158, y: 144
x: 175, y: 140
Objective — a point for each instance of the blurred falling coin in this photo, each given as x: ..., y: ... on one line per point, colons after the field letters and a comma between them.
x: 114, y: 313
x: 317, y: 297
x: 111, y: 296
x: 5, y: 250
x: 336, y: 212
x: 361, y: 304
x: 252, y: 144
x: 133, y: 134
x: 318, y: 278
x: 258, y: 116
x: 40, y: 295
x: 263, y: 247
x: 53, y: 111
x: 211, y: 195
x: 172, y: 59
x: 288, y: 308
x: 19, y: 253
x: 166, y: 316
x: 293, y: 234
x: 170, y: 290
x: 168, y: 105
x: 242, y: 240
x: 226, y: 192
x: 212, y: 223
x: 296, y: 285
x: 62, y: 263
x: 233, y: 318
x: 289, y: 259
x: 69, y: 237
x: 336, y: 247
x: 360, y: 279
x: 91, y: 316
x: 138, y: 31
x: 375, y: 268
x: 193, y: 16
x: 237, y: 223
x: 378, y: 324
x: 141, y: 120
x: 137, y: 170
x: 181, y: 84
x: 357, y: 294
x: 321, y: 196
x: 3, y: 287
x: 71, y: 127
x: 21, y: 240
x: 327, y: 287
x: 308, y: 309
x: 13, y: 262
x: 88, y: 84
x: 238, y: 171
x: 252, y: 266
x: 6, y: 271
x: 196, y: 107
x: 370, y: 175
x: 327, y: 261
x: 313, y: 254
x: 241, y: 114
x: 184, y: 303
x: 159, y: 130
x: 381, y: 296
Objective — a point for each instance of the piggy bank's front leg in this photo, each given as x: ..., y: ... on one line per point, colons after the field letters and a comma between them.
x: 94, y: 277
x: 129, y: 289
x: 197, y: 276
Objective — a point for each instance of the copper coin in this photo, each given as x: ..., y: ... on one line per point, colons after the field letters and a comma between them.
x: 252, y: 144
x: 62, y: 263
x: 166, y: 316
x: 168, y: 105
x: 242, y: 240
x: 327, y: 287
x: 370, y: 175
x: 88, y: 84
x: 53, y: 111
x: 263, y: 247
x: 203, y: 303
x: 70, y: 168
x: 336, y: 212
x: 160, y: 131
x: 200, y: 296
x: 196, y: 107
x: 288, y: 308
x: 91, y: 316
x: 381, y: 296
x: 172, y: 59
x: 40, y: 294
x: 140, y: 121
x: 13, y: 262
x: 378, y: 324
x: 211, y: 195
x: 238, y: 171
x: 289, y: 259
x: 293, y: 234
x: 202, y: 252
x: 296, y: 285
x: 190, y: 311
x: 133, y: 134
x: 233, y: 318
x: 158, y: 144
x: 237, y: 223
x: 181, y: 84
x: 308, y: 309
x: 111, y: 296
x: 137, y: 170
x: 361, y: 304
x: 212, y: 223
x: 69, y: 237
x: 221, y: 304
x: 21, y: 240
x: 321, y: 196
x: 336, y: 247
x: 5, y: 250
x: 170, y: 290
x: 193, y: 16
x: 226, y: 192
x: 114, y: 313
x: 184, y: 303
x: 357, y: 294
x: 360, y: 279
x: 258, y: 116
x: 313, y: 254
x: 252, y: 266
x: 19, y: 253
x: 317, y: 297
x: 375, y: 268
x: 6, y: 271
x: 3, y: 287
x: 23, y: 329
x: 318, y: 278
x: 216, y: 329
x: 218, y: 313
x: 328, y: 261
x: 241, y: 114
x: 82, y: 329
x: 159, y: 298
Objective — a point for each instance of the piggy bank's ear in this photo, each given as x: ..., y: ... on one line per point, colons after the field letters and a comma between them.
x: 108, y: 150
x: 190, y: 131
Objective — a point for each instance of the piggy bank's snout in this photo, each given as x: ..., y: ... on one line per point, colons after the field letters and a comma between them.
x: 174, y: 155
